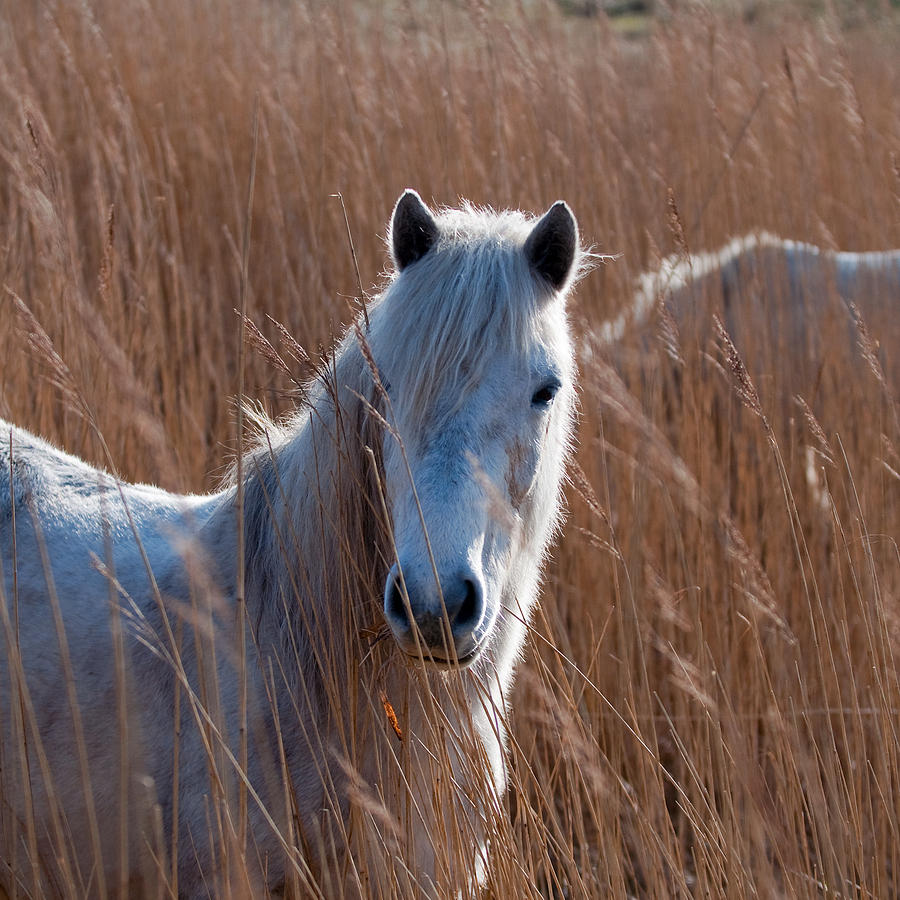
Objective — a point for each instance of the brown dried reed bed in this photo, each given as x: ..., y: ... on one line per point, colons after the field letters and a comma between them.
x: 710, y: 703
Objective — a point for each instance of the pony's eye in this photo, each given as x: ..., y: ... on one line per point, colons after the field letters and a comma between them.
x: 544, y: 395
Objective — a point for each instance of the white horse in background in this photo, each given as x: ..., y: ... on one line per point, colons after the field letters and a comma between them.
x: 795, y: 312
x: 351, y: 691
x: 764, y: 283
x: 791, y: 308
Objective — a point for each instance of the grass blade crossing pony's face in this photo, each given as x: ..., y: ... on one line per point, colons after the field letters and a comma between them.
x: 472, y: 346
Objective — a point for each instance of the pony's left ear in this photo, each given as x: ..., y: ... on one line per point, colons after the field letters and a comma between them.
x: 552, y: 245
x: 413, y: 230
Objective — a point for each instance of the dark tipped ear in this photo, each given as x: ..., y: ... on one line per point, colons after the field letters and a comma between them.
x: 552, y: 244
x: 413, y: 230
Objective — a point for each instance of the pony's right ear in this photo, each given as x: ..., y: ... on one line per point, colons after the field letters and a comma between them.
x: 413, y: 230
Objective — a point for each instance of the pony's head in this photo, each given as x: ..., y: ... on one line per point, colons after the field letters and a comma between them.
x: 472, y: 347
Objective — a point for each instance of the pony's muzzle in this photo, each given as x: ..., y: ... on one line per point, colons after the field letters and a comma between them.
x: 441, y: 625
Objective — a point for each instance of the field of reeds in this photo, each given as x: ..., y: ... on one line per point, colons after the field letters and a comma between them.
x: 710, y: 703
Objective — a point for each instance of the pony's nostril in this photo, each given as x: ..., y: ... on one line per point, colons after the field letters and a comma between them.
x: 469, y: 610
x: 395, y: 607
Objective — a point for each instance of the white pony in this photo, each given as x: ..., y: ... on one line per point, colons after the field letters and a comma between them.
x: 158, y: 712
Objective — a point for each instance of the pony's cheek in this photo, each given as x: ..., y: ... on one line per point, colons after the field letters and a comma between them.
x: 395, y: 484
x: 522, y: 466
x: 500, y: 543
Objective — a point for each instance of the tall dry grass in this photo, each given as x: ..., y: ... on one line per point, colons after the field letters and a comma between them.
x: 710, y: 703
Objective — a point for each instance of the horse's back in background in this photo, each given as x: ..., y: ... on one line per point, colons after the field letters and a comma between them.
x: 788, y: 306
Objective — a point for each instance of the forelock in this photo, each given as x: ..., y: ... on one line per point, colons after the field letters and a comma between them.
x: 450, y: 314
